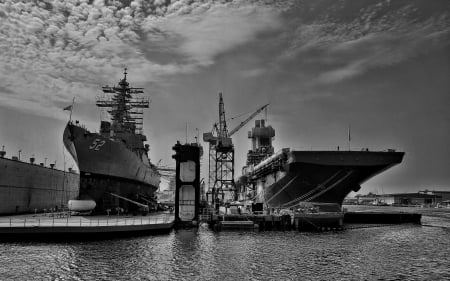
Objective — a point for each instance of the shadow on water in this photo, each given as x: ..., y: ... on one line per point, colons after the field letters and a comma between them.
x: 78, y: 237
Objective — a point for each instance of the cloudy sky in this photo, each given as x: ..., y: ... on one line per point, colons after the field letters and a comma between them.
x: 382, y: 67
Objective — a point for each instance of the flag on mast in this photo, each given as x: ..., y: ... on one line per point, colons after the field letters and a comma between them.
x: 70, y: 108
x: 349, y: 137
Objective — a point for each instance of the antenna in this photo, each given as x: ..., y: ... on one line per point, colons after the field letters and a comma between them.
x: 349, y: 138
x: 186, y: 132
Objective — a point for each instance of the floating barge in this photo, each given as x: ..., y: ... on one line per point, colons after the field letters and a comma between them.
x: 323, y: 221
x: 57, y: 226
x: 382, y: 217
x: 300, y: 222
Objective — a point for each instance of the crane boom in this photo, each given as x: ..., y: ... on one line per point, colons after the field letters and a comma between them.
x: 247, y: 120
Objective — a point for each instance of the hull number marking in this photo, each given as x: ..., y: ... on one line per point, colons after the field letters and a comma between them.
x: 97, y: 144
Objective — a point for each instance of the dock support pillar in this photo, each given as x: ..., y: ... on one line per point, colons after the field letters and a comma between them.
x: 187, y: 188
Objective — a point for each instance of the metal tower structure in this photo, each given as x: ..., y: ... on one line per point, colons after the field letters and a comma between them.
x: 125, y: 106
x: 221, y: 156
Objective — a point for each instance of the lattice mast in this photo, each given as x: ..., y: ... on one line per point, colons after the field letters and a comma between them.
x: 125, y: 106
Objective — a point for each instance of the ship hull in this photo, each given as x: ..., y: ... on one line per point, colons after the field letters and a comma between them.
x: 319, y: 176
x: 108, y: 167
x: 26, y: 188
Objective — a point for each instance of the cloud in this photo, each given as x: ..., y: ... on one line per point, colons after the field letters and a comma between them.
x: 381, y: 50
x: 52, y: 51
x: 343, y: 44
x: 255, y: 72
x: 203, y: 32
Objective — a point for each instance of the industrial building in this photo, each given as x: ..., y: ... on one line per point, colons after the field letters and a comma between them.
x: 422, y: 198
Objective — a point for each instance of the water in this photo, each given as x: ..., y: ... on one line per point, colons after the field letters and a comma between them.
x: 403, y: 252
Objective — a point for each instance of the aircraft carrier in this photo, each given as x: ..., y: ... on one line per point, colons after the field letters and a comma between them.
x: 288, y: 177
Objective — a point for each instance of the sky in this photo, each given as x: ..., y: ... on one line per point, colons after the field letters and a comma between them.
x: 380, y: 67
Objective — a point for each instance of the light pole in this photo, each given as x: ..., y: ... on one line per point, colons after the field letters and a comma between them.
x: 20, y: 150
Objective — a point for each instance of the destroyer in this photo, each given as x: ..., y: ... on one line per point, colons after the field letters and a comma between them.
x: 115, y: 170
x: 289, y: 177
x: 28, y: 187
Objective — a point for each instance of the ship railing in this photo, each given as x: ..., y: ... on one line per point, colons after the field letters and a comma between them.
x: 86, y: 221
x: 341, y: 148
x: 267, y: 168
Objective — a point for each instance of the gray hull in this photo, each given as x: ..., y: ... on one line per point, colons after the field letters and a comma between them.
x: 25, y: 187
x: 317, y: 176
x: 108, y: 166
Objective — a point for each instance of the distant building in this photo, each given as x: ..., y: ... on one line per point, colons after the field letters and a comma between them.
x: 411, y: 199
x: 445, y: 194
x: 167, y: 197
x: 401, y: 199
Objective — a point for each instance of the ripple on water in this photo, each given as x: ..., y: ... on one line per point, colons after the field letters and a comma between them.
x: 404, y: 252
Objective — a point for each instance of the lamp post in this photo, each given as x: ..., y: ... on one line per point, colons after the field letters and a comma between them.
x: 20, y: 150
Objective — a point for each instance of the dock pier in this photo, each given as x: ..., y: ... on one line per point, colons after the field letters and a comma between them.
x: 318, y: 222
x: 81, y: 227
x: 263, y: 222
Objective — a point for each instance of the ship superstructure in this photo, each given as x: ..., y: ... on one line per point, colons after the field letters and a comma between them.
x: 114, y: 166
x: 288, y: 177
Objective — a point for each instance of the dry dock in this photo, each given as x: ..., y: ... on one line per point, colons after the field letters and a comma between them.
x: 65, y: 227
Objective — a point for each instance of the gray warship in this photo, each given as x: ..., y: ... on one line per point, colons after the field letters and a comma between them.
x: 115, y: 170
x: 286, y: 178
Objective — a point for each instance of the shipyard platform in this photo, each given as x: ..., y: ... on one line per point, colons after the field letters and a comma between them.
x: 63, y: 226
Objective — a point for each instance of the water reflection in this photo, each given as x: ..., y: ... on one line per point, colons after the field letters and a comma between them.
x: 386, y: 253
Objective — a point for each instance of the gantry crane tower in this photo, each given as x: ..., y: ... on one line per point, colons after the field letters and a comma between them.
x: 221, y: 155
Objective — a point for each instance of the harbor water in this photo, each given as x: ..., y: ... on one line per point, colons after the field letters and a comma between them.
x: 401, y: 252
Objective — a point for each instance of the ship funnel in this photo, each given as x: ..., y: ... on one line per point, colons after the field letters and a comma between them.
x: 32, y: 160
